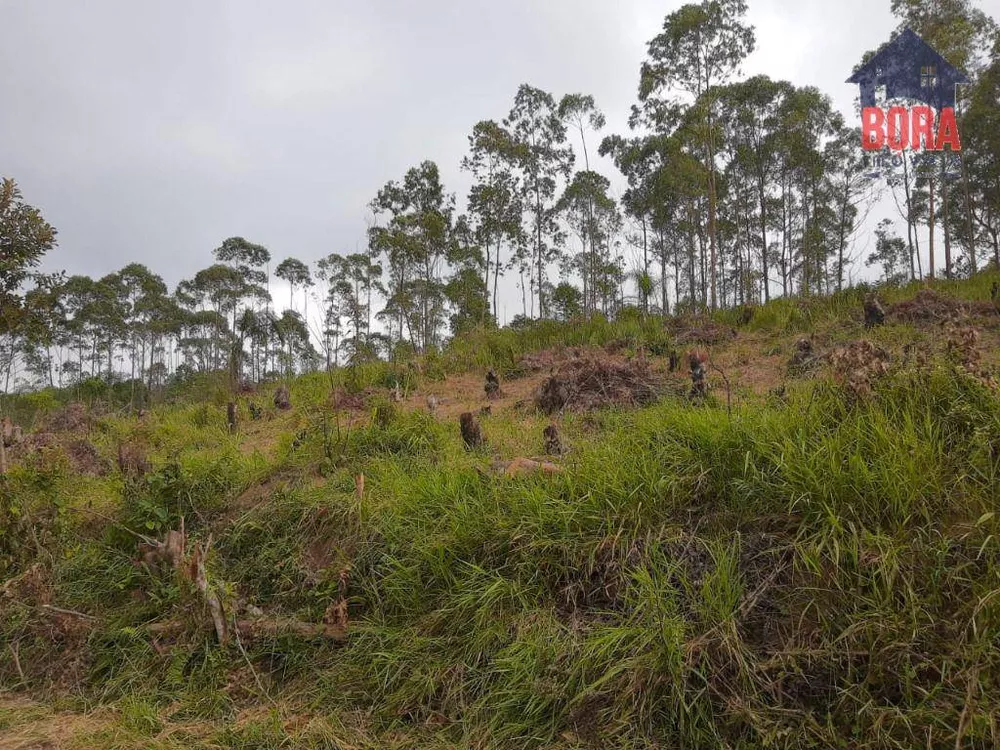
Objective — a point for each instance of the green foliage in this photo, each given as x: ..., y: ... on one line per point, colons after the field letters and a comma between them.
x: 195, y: 488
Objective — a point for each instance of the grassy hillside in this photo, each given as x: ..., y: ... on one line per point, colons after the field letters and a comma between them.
x: 809, y: 558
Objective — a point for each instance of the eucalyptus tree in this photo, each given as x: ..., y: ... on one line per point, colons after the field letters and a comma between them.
x: 700, y: 48
x: 593, y: 215
x: 466, y: 289
x: 25, y: 237
x: 251, y: 261
x: 964, y: 35
x: 890, y: 253
x: 296, y: 349
x: 751, y: 122
x: 351, y: 281
x: 542, y: 159
x: 142, y: 294
x: 807, y: 123
x: 853, y: 193
x: 218, y: 289
x: 296, y: 273
x: 981, y: 154
x: 43, y: 333
x: 495, y: 199
x: 415, y: 243
x: 580, y: 112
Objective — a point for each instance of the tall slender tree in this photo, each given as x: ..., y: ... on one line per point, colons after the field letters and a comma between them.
x: 701, y: 47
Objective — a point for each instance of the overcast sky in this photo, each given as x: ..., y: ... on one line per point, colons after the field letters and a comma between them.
x: 152, y: 131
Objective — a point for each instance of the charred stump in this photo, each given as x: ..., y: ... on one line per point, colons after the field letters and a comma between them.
x: 472, y: 433
x: 874, y: 312
x: 553, y: 441
x: 282, y: 399
x: 492, y: 387
x: 553, y: 396
x: 699, y: 376
x: 132, y: 461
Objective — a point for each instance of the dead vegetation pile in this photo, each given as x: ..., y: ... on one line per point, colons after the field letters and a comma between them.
x: 594, y: 381
x: 700, y: 331
x: 858, y: 366
x: 962, y: 349
x: 547, y: 359
x: 74, y: 417
x: 86, y: 459
x: 929, y: 306
x: 343, y: 400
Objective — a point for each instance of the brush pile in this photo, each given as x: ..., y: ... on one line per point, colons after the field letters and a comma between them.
x: 858, y: 366
x: 595, y: 381
x: 930, y: 307
x: 547, y: 359
x: 74, y: 417
x: 700, y: 331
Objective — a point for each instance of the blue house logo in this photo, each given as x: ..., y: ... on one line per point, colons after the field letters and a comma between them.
x: 909, y: 69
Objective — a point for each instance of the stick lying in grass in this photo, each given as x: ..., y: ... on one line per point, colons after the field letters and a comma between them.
x: 197, y: 568
x: 262, y: 627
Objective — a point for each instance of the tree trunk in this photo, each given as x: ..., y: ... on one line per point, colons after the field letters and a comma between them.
x: 945, y: 222
x: 930, y: 227
x: 763, y: 235
x: 909, y: 221
x: 538, y: 240
x: 711, y: 207
x: 970, y: 233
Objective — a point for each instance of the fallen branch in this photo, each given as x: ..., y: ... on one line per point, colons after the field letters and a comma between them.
x: 200, y: 577
x: 126, y: 529
x: 69, y: 612
x: 14, y: 652
x: 725, y: 379
x: 250, y: 629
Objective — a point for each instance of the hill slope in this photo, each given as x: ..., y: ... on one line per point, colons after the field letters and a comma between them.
x: 805, y: 558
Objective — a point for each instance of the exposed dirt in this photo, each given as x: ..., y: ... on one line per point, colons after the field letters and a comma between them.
x: 26, y: 725
x: 462, y: 393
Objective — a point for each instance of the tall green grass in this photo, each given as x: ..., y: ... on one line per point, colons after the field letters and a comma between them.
x: 819, y: 573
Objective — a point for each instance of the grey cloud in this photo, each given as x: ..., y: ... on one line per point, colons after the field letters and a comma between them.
x: 152, y: 131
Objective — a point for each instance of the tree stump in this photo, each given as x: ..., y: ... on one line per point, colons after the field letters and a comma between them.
x: 282, y: 399
x: 874, y: 313
x: 699, y: 376
x: 231, y: 417
x: 472, y: 433
x: 553, y: 441
x: 492, y: 387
